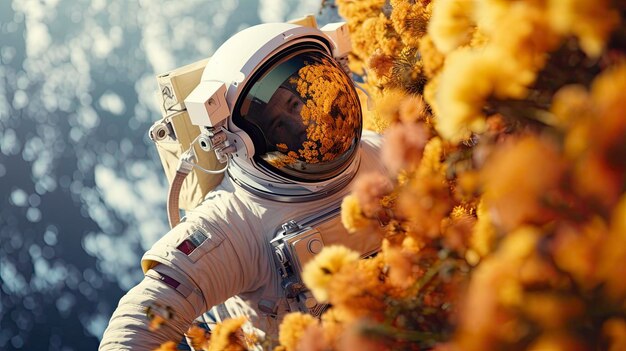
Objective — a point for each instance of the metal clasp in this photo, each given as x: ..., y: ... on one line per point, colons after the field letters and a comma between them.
x: 290, y: 227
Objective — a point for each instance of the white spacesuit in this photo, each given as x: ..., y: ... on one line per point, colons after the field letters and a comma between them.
x: 275, y: 101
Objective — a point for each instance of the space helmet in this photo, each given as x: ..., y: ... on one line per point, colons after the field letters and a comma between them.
x: 277, y: 100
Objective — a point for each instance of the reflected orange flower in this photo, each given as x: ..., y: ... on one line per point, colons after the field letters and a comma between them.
x: 331, y: 114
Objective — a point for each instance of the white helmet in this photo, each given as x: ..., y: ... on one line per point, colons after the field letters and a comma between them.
x: 277, y: 99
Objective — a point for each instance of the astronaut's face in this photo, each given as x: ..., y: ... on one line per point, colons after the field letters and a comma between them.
x: 282, y: 120
x: 303, y: 116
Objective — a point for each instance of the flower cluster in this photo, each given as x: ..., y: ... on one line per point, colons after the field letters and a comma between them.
x: 228, y: 335
x: 496, y: 49
x: 503, y: 210
x: 331, y: 113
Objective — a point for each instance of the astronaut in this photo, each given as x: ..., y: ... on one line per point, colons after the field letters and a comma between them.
x: 277, y: 104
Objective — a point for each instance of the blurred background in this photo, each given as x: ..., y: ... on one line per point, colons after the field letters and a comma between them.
x: 82, y: 192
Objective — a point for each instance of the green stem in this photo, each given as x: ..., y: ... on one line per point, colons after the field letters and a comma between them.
x: 426, y: 278
x: 394, y: 310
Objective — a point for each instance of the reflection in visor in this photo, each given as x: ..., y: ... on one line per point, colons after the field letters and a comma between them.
x: 311, y: 124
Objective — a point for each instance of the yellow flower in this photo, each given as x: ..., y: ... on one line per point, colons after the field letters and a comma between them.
x: 432, y: 58
x: 510, y: 293
x: 519, y: 40
x: 357, y: 289
x: 387, y: 102
x: 333, y: 325
x: 551, y: 310
x: 292, y: 329
x: 451, y: 24
x: 489, y: 15
x: 591, y: 21
x: 430, y: 93
x: 469, y: 77
x: 569, y: 105
x: 372, y: 118
x: 524, y: 35
x: 595, y: 140
x: 411, y: 244
x: 432, y: 158
x: 409, y: 19
x: 228, y: 336
x: 351, y: 214
x: 519, y: 244
x: 318, y: 273
x: 375, y: 34
x: 479, y: 39
x: 356, y: 11
x: 484, y: 234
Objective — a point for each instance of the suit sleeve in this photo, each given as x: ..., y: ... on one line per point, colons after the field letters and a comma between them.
x: 188, y: 271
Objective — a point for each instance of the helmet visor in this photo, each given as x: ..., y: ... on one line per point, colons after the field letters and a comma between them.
x: 304, y: 117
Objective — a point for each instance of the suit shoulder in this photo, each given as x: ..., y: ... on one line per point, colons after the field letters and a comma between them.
x: 371, y: 141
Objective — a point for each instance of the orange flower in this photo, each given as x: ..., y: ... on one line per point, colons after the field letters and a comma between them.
x: 557, y: 341
x: 293, y: 328
x: 313, y: 339
x: 576, y: 250
x: 320, y: 271
x: 357, y: 289
x: 228, y: 336
x: 615, y: 330
x: 425, y: 201
x: 413, y: 109
x: 356, y: 339
x: 331, y: 114
x: 518, y: 179
x: 369, y: 190
x: 199, y: 337
x: 352, y: 216
x: 613, y: 251
x: 403, y: 146
x: 401, y: 271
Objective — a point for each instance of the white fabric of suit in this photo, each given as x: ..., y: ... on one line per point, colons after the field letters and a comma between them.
x: 236, y: 259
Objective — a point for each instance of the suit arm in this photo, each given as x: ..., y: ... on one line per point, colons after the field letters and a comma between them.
x: 187, y: 272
